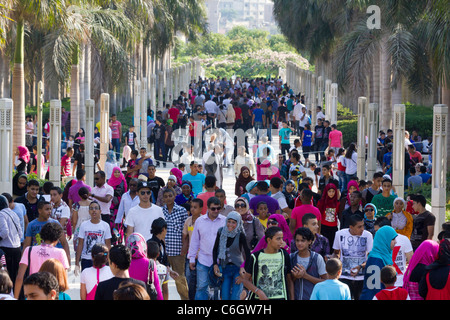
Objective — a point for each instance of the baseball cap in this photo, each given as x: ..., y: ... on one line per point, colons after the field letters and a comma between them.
x: 143, y: 184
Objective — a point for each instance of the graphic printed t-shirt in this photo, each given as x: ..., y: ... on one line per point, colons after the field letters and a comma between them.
x: 115, y: 129
x: 271, y: 278
x: 285, y: 134
x: 354, y: 250
x: 92, y: 234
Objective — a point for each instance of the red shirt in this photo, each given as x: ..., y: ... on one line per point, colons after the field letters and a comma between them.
x: 173, y: 114
x: 115, y: 129
x: 193, y: 129
x: 299, y: 212
x: 65, y: 165
x: 392, y: 293
x: 238, y: 112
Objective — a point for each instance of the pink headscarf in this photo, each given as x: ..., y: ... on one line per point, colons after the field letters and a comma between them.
x: 351, y: 183
x: 178, y: 174
x: 287, y: 235
x: 114, y: 182
x: 426, y: 254
x: 24, y: 154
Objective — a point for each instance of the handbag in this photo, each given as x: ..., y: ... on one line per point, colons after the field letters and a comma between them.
x: 151, y: 289
x: 255, y: 239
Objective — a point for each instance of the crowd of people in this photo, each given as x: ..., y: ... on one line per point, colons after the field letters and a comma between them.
x: 281, y: 235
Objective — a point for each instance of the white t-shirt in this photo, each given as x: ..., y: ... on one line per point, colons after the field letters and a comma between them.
x: 62, y: 211
x: 91, y: 234
x: 89, y: 276
x: 351, y: 164
x: 402, y: 247
x: 279, y: 196
x: 211, y: 107
x: 141, y: 219
x: 354, y: 250
x: 102, y: 192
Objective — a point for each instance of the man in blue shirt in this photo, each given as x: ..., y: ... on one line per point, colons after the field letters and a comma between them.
x: 196, y: 178
x: 426, y: 177
x: 258, y: 119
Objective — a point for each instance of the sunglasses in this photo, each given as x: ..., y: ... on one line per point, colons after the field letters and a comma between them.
x: 214, y: 209
x: 240, y: 205
x: 145, y: 192
x: 368, y: 209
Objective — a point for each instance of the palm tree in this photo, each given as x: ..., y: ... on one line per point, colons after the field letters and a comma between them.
x: 40, y: 14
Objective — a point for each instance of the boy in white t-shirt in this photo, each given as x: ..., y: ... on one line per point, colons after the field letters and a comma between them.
x: 352, y: 245
x: 91, y: 232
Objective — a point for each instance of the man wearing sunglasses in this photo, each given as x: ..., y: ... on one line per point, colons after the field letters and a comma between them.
x: 140, y: 217
x: 202, y: 243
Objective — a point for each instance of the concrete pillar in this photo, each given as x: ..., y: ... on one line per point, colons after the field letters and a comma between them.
x: 320, y: 91
x: 334, y: 103
x: 439, y: 165
x: 168, y: 87
x: 104, y: 132
x: 398, y: 152
x: 137, y: 109
x: 55, y: 142
x: 308, y: 89
x: 176, y: 84
x: 6, y: 145
x: 160, y: 91
x: 328, y: 99
x: 89, y: 143
x: 372, y: 137
x: 143, y: 118
x: 362, y: 114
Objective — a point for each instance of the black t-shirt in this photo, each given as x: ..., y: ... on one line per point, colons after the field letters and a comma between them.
x: 282, y: 113
x: 420, y: 228
x: 155, y: 184
x: 105, y: 289
x: 79, y: 157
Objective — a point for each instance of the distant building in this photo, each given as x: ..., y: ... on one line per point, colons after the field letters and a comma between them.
x: 213, y: 15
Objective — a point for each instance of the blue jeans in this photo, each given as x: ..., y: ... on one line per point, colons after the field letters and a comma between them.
x: 341, y: 176
x: 347, y: 178
x: 191, y: 277
x: 116, y: 147
x: 231, y: 290
x: 202, y: 282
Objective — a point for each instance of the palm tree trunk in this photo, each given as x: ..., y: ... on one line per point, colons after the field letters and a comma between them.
x: 82, y: 98
x: 18, y: 89
x: 445, y: 99
x: 74, y: 95
x: 385, y: 86
x: 6, y: 77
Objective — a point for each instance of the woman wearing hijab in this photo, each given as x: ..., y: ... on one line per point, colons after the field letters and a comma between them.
x: 435, y: 284
x: 139, y: 266
x: 254, y: 230
x: 79, y: 139
x: 186, y: 195
x: 110, y: 164
x: 328, y: 206
x: 10, y: 234
x: 178, y: 174
x: 20, y: 183
x: 229, y: 253
x: 379, y: 257
x: 344, y: 201
x: 119, y: 184
x: 370, y: 210
x: 401, y: 220
x: 126, y: 156
x: 242, y: 180
x: 424, y: 255
x: 290, y: 193
x: 23, y: 158
x: 277, y: 220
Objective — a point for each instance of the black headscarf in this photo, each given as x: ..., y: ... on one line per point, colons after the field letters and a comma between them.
x: 3, y: 202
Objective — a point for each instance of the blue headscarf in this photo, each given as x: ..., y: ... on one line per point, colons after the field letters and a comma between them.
x: 382, y: 244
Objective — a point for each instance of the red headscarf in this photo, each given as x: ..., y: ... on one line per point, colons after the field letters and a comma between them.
x: 114, y: 182
x: 326, y: 201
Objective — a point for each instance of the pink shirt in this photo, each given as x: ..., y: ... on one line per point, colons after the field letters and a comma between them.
x: 66, y: 165
x: 139, y: 270
x: 115, y: 129
x: 335, y: 138
x: 300, y: 211
x: 41, y: 253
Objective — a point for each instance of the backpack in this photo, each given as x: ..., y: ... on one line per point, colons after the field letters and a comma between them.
x: 211, y: 165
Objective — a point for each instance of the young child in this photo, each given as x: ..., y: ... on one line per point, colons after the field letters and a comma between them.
x: 307, y: 142
x: 71, y: 141
x: 329, y: 208
x: 308, y: 266
x: 263, y: 212
x: 132, y: 171
x: 388, y: 277
x: 66, y: 162
x: 332, y: 288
